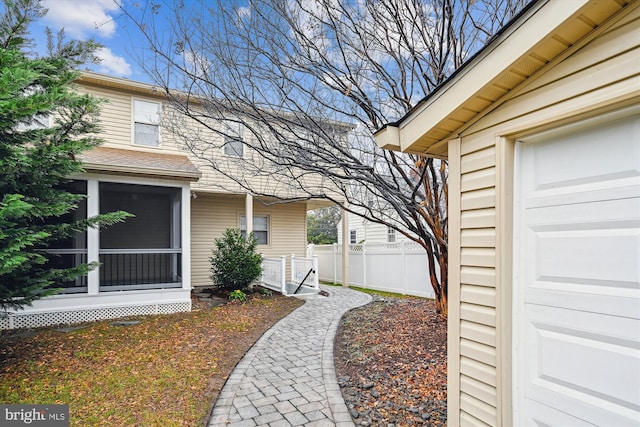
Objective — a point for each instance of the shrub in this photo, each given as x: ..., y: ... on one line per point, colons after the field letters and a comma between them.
x: 235, y: 263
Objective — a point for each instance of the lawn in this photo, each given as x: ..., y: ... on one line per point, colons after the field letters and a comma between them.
x: 165, y: 371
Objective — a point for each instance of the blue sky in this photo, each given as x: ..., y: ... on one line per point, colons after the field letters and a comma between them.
x: 103, y: 21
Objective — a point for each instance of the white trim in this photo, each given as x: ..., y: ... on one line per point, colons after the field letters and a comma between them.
x: 157, y: 182
x: 248, y: 208
x: 93, y: 236
x: 185, y: 221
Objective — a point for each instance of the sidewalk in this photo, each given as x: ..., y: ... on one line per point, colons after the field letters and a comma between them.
x: 288, y: 377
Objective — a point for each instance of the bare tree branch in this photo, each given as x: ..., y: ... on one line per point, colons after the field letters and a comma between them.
x: 309, y: 82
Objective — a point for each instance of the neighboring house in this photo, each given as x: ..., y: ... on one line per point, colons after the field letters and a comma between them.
x: 150, y: 263
x: 542, y: 133
x: 362, y: 230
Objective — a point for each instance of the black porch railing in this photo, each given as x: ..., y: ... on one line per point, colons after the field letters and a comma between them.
x: 128, y: 269
x: 64, y: 259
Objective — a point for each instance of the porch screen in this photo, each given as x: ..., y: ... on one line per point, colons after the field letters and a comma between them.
x: 70, y: 251
x: 143, y: 251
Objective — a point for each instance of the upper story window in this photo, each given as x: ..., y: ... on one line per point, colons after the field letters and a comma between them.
x: 233, y: 134
x: 391, y: 235
x: 146, y: 117
x: 260, y: 228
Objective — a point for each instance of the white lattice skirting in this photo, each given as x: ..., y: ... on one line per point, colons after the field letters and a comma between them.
x: 36, y: 320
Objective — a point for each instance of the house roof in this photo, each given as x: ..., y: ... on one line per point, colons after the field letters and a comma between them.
x: 139, y: 163
x: 535, y: 38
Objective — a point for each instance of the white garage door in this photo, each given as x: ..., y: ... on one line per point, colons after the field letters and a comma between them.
x: 577, y: 275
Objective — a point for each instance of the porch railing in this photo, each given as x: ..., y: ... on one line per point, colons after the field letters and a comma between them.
x: 273, y: 274
x: 68, y: 258
x: 303, y: 275
x: 304, y: 272
x: 128, y: 269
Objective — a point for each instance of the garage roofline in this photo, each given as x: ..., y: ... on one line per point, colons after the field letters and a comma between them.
x: 492, y: 75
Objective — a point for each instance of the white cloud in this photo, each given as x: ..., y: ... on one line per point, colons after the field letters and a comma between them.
x: 243, y: 12
x: 112, y: 64
x: 82, y: 18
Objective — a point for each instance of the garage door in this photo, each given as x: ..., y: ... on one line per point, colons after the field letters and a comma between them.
x: 577, y: 275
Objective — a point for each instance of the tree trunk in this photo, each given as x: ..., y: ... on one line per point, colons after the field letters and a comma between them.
x: 441, y: 305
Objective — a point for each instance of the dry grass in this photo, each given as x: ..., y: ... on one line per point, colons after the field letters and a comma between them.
x: 165, y: 371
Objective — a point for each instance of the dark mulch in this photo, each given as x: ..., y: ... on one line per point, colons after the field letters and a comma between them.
x: 391, y: 363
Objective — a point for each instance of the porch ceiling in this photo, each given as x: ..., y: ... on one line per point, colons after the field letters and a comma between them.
x: 139, y: 163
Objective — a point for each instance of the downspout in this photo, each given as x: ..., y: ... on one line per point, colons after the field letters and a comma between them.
x: 248, y: 208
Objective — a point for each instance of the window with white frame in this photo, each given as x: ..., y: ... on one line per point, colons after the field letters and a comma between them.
x: 233, y: 134
x: 260, y: 228
x: 391, y: 235
x: 146, y: 118
x: 353, y: 236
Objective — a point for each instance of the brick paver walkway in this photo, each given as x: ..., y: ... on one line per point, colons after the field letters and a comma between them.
x: 288, y: 377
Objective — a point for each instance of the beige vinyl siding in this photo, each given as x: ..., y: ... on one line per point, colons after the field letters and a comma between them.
x: 115, y: 116
x: 597, y: 76
x: 176, y: 129
x: 212, y: 214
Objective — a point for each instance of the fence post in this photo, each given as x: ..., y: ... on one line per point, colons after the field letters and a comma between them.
x: 283, y: 274
x: 335, y: 263
x: 364, y: 265
x: 404, y: 266
x: 316, y: 281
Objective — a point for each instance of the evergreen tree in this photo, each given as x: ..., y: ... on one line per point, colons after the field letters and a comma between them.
x: 322, y: 225
x: 36, y: 159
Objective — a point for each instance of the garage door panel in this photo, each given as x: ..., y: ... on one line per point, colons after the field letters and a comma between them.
x: 582, y: 377
x: 586, y: 355
x: 598, y: 257
x: 607, y: 152
x: 607, y: 192
x: 596, y: 299
x: 545, y: 416
x: 586, y: 214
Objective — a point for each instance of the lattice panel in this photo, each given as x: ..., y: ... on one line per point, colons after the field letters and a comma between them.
x: 18, y: 321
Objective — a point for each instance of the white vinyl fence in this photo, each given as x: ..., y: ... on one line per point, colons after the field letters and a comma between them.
x: 392, y: 267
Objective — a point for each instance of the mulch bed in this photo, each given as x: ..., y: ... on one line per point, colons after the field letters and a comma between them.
x: 391, y: 363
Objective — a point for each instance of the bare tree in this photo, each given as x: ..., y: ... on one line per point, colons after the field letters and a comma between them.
x: 303, y: 73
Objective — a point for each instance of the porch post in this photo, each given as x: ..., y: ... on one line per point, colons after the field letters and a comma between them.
x: 93, y: 236
x: 248, y: 207
x: 185, y: 235
x: 345, y: 246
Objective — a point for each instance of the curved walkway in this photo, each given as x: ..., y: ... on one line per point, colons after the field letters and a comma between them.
x: 288, y: 377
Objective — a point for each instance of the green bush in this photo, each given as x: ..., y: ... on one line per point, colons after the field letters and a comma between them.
x: 235, y: 263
